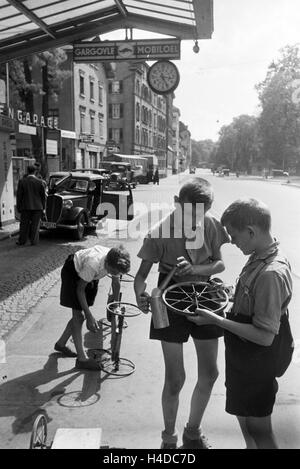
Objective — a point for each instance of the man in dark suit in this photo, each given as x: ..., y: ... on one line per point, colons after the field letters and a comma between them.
x: 31, y: 199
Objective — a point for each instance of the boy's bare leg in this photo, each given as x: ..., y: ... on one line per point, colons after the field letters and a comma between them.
x: 260, y: 429
x: 174, y: 380
x: 250, y: 442
x: 66, y: 334
x: 207, y: 351
x: 77, y: 321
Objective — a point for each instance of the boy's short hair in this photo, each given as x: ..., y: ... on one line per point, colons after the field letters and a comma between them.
x: 245, y: 212
x: 197, y: 190
x: 119, y: 258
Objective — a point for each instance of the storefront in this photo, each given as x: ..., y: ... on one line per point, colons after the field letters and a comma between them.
x: 7, y: 210
x: 89, y: 155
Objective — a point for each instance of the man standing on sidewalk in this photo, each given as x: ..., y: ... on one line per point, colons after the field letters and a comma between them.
x: 31, y: 199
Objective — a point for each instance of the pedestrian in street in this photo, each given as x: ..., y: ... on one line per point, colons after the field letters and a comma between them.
x: 31, y: 200
x: 80, y: 276
x: 258, y: 340
x: 156, y: 177
x: 195, y: 262
x: 150, y: 176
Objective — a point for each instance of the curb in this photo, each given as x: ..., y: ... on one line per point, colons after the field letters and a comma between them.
x: 8, y: 235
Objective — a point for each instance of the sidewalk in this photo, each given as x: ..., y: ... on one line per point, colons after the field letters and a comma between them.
x: 9, y: 230
x: 128, y: 410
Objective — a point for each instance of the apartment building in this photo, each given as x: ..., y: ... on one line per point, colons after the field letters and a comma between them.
x: 185, y: 143
x: 137, y: 117
x: 176, y: 139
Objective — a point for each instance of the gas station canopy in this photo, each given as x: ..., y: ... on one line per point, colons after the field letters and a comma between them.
x: 31, y: 26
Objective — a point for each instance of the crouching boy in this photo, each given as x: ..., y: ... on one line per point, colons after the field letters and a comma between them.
x: 80, y: 276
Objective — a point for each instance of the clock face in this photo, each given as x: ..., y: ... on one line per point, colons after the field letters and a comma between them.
x: 163, y: 77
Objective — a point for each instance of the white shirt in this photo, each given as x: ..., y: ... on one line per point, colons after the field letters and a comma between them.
x: 90, y: 263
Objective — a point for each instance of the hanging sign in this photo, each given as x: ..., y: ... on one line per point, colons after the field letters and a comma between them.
x: 147, y: 49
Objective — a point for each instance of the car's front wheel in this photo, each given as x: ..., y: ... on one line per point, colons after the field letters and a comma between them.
x: 79, y: 232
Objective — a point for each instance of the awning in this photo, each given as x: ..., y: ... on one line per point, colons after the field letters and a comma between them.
x: 31, y: 26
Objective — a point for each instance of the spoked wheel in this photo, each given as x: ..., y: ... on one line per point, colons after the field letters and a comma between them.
x: 39, y: 433
x: 116, y: 367
x: 120, y: 367
x: 127, y: 310
x: 112, y: 363
x: 185, y: 297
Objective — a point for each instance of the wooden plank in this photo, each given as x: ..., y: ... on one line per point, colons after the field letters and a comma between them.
x: 77, y: 438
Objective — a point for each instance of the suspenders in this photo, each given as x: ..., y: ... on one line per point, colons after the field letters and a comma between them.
x: 247, y: 286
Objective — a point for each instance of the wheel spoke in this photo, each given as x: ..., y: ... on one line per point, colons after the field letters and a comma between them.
x: 205, y: 307
x: 211, y: 301
x: 187, y: 311
x: 186, y: 293
x: 185, y: 297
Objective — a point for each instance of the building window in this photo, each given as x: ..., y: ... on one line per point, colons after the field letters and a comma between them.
x: 116, y: 135
x: 82, y: 120
x: 82, y: 158
x: 100, y: 94
x: 81, y: 85
x: 115, y: 86
x: 92, y: 91
x: 137, y: 135
x: 116, y: 111
x: 92, y: 118
x: 93, y: 159
x: 137, y: 112
x: 138, y: 87
x: 101, y: 125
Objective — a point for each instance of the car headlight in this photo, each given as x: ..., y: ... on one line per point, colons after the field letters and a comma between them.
x: 68, y: 204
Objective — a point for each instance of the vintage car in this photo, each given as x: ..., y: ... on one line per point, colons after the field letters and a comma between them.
x: 100, y: 171
x: 123, y: 169
x: 78, y: 200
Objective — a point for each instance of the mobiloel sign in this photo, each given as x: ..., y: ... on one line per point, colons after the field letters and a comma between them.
x: 147, y: 49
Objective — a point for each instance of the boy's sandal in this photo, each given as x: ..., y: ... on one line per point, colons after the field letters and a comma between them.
x: 66, y: 351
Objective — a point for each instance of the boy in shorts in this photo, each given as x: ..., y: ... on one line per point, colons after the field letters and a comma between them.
x: 259, y: 315
x: 197, y: 261
x: 80, y: 276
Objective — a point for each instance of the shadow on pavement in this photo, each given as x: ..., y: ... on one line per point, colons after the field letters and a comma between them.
x: 22, y: 399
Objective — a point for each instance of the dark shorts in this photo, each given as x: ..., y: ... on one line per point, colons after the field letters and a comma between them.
x: 180, y: 328
x: 251, y: 384
x: 69, y: 281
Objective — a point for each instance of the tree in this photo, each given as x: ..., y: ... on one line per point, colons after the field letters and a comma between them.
x: 279, y: 121
x: 201, y: 151
x: 238, y: 144
x: 35, y: 76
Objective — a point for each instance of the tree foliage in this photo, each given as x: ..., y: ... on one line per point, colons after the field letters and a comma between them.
x: 279, y: 121
x: 238, y: 144
x: 201, y: 151
x: 34, y: 77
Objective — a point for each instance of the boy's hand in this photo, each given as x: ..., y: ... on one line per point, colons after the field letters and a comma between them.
x: 143, y: 302
x: 184, y: 267
x: 92, y: 324
x: 204, y: 317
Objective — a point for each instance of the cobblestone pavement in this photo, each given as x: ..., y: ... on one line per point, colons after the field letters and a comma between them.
x: 28, y: 273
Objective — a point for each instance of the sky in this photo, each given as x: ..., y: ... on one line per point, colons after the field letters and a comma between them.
x: 218, y: 83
